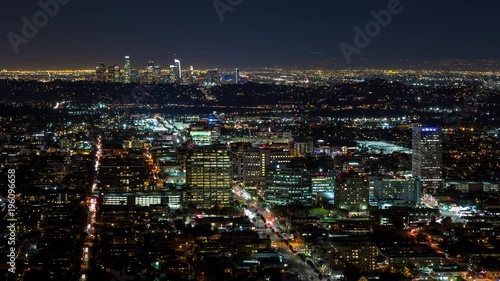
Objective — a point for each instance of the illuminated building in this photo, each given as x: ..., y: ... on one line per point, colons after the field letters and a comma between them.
x: 123, y: 173
x: 209, y: 177
x: 200, y: 134
x: 322, y: 182
x: 213, y: 124
x: 127, y: 70
x: 111, y: 74
x: 212, y: 77
x: 171, y: 199
x: 427, y: 157
x: 177, y: 64
x: 255, y: 162
x: 153, y: 72
x: 406, y: 190
x: 117, y: 73
x: 288, y: 184
x: 344, y: 163
x: 101, y: 72
x: 357, y: 251
x: 351, y: 191
x: 237, y: 75
x: 114, y: 73
x: 302, y: 148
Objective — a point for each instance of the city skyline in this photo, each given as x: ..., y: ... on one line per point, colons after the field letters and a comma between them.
x: 213, y: 34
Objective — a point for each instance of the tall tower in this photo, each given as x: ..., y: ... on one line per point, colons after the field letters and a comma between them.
x: 101, y: 72
x: 427, y: 157
x: 209, y: 176
x: 236, y: 76
x: 117, y: 72
x: 178, y: 68
x: 127, y: 74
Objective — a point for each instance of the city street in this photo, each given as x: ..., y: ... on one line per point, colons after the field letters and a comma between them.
x: 295, y: 263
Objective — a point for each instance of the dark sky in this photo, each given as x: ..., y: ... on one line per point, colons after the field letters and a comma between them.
x: 255, y: 33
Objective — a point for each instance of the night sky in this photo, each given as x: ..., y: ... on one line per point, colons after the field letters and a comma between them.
x: 256, y: 33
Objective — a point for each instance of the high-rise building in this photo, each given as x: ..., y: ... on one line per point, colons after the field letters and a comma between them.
x: 351, y: 191
x: 114, y: 73
x: 111, y: 74
x: 288, y: 184
x: 127, y: 70
x: 101, y: 72
x: 117, y: 73
x: 178, y: 67
x: 123, y: 173
x: 303, y: 147
x: 209, y: 177
x: 427, y: 157
x: 153, y: 73
x: 237, y: 76
x: 388, y: 190
x: 254, y: 164
x: 212, y: 77
x: 322, y: 182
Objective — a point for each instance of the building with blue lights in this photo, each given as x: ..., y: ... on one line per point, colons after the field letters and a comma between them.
x: 427, y: 157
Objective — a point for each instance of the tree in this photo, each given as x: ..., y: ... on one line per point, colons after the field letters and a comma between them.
x: 318, y: 212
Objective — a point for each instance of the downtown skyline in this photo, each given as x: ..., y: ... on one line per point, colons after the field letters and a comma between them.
x: 247, y: 34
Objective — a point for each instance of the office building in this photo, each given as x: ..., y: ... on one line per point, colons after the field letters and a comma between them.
x: 303, y: 147
x: 405, y: 191
x: 358, y: 251
x: 127, y: 70
x: 101, y: 72
x: 322, y: 182
x: 427, y: 157
x: 153, y: 73
x: 209, y: 177
x: 178, y: 69
x: 254, y: 164
x: 351, y: 191
x: 288, y: 184
x: 212, y: 77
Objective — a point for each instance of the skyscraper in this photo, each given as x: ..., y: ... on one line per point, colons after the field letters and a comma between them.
x: 254, y: 164
x: 101, y: 72
x: 173, y: 73
x: 178, y: 68
x: 117, y: 73
x: 288, y: 184
x: 127, y: 70
x: 150, y: 76
x: 237, y: 76
x: 114, y: 73
x: 427, y: 157
x: 209, y: 177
